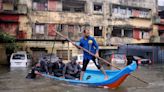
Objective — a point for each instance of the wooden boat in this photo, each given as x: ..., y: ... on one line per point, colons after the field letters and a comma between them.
x: 116, y: 77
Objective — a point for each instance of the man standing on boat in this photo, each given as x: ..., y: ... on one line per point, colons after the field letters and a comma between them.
x: 90, y: 44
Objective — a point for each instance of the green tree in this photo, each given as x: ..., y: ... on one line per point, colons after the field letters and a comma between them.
x: 10, y: 43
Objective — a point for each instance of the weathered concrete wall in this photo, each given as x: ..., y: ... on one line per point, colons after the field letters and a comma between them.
x: 3, y: 59
x: 125, y: 40
x: 25, y: 26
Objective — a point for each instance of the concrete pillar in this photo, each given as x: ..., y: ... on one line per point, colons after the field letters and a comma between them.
x: 68, y: 52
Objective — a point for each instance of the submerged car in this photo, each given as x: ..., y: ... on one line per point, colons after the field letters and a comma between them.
x: 20, y: 59
x: 142, y: 60
x: 139, y: 60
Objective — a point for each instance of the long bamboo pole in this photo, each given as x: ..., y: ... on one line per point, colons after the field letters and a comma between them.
x: 134, y: 76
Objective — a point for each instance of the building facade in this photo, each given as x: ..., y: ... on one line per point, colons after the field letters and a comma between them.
x: 112, y: 23
x: 159, y: 24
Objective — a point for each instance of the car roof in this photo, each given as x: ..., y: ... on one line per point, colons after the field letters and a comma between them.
x: 21, y: 52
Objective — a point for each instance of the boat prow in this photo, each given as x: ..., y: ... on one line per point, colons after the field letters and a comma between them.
x: 96, y: 78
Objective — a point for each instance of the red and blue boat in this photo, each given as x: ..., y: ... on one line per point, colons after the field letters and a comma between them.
x: 116, y: 77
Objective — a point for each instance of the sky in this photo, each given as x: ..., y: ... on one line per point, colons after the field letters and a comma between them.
x: 161, y: 2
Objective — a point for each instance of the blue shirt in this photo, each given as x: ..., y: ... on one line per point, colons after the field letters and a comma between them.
x: 90, y: 44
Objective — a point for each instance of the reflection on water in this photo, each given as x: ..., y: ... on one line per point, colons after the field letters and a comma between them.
x: 13, y: 80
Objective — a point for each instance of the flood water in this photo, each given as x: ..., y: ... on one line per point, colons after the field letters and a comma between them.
x: 13, y: 80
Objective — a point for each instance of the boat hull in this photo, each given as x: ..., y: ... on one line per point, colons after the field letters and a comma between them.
x: 118, y: 82
x: 116, y: 77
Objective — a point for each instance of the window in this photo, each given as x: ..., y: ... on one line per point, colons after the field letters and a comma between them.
x: 64, y: 54
x: 40, y: 5
x: 121, y: 11
x: 161, y: 33
x: 74, y: 32
x: 19, y: 56
x: 39, y: 28
x: 97, y: 31
x: 145, y: 35
x: 52, y: 29
x: 115, y: 10
x: 52, y: 5
x: 128, y: 33
x: 8, y: 6
x: 97, y: 7
x: 117, y: 32
x: 136, y: 34
x: 122, y: 32
x: 73, y: 6
x: 129, y: 12
x: 10, y: 28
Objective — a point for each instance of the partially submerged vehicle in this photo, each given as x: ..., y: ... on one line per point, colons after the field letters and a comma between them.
x: 20, y: 59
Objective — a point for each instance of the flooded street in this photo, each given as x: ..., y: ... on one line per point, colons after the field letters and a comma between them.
x: 13, y: 80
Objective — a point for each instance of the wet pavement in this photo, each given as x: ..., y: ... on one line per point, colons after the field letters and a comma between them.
x: 13, y: 80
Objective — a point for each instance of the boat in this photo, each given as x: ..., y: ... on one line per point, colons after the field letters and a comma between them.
x: 96, y: 78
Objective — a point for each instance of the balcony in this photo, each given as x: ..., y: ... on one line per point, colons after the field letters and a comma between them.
x: 11, y: 7
x: 10, y: 1
x: 73, y: 6
x: 123, y: 11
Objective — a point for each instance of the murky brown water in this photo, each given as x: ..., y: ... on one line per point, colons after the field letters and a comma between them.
x: 13, y: 80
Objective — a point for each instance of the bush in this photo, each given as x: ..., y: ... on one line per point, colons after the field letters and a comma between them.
x: 6, y: 38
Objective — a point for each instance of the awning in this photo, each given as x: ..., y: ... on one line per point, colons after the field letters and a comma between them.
x: 12, y: 18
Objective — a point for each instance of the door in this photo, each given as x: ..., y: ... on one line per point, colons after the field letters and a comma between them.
x: 37, y: 53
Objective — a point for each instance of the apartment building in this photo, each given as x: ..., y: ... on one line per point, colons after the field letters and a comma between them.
x: 112, y: 23
x: 11, y: 11
x: 159, y: 24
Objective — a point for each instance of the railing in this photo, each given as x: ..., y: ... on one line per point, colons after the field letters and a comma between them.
x: 20, y: 9
x: 10, y: 1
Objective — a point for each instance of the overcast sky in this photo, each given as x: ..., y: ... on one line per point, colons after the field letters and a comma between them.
x: 161, y: 2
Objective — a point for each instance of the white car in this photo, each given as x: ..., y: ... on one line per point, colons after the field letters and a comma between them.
x: 90, y: 65
x: 20, y: 59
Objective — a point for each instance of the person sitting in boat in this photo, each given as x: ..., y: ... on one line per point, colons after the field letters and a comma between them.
x: 43, y: 64
x: 58, y: 67
x: 34, y: 72
x: 49, y: 66
x: 72, y: 69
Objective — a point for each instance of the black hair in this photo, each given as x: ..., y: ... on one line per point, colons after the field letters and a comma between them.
x: 84, y: 31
